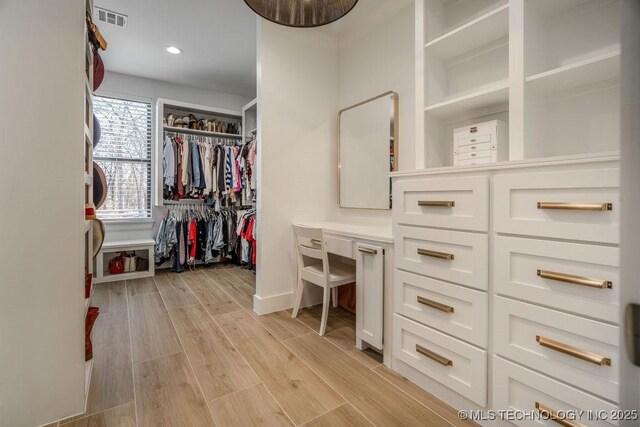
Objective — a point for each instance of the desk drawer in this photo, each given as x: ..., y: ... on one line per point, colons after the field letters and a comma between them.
x: 530, y: 204
x: 542, y: 339
x: 474, y: 148
x: 460, y: 203
x: 518, y: 262
x: 453, y: 309
x: 339, y: 246
x: 519, y: 389
x: 448, y: 255
x: 453, y: 363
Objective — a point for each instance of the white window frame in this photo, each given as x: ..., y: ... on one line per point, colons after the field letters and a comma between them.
x: 143, y: 222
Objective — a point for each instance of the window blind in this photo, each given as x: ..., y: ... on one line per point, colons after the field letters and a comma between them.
x: 124, y: 153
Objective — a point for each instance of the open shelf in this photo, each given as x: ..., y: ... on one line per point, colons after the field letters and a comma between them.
x: 580, y: 73
x: 458, y: 108
x: 88, y: 367
x: 201, y: 132
x: 472, y: 35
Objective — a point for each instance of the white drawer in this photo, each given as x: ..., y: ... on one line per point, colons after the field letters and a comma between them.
x: 454, y: 256
x: 519, y: 261
x: 477, y: 155
x: 453, y: 363
x: 476, y: 130
x: 520, y: 198
x: 453, y: 309
x: 339, y: 246
x: 460, y: 202
x: 528, y: 334
x: 464, y: 139
x: 471, y: 162
x: 519, y: 389
x: 474, y: 148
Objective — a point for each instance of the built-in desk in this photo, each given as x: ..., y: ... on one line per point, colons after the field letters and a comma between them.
x: 372, y: 249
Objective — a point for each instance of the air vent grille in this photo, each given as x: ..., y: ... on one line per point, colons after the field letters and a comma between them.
x: 111, y: 18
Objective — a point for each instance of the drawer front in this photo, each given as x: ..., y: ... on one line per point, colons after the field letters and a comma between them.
x: 540, y: 338
x: 451, y: 362
x: 339, y: 246
x: 462, y: 140
x: 453, y: 309
x: 527, y: 204
x: 471, y: 162
x: 553, y: 274
x: 453, y: 256
x: 474, y: 148
x: 460, y: 202
x: 481, y: 154
x: 476, y: 130
x: 519, y: 389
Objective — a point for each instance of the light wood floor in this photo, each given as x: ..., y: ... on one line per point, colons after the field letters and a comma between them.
x: 187, y: 350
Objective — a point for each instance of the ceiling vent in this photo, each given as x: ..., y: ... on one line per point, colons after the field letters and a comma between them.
x: 111, y: 18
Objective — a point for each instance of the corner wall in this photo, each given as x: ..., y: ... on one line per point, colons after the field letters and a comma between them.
x: 297, y: 98
x: 374, y: 57
x: 42, y: 211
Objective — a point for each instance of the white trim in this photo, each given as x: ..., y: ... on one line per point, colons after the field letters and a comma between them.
x: 266, y: 305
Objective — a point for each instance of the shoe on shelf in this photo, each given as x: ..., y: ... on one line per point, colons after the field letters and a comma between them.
x: 89, y: 211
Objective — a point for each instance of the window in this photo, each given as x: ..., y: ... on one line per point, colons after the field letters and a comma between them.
x: 124, y: 154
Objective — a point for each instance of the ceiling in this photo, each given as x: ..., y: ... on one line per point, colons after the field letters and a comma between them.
x: 217, y: 37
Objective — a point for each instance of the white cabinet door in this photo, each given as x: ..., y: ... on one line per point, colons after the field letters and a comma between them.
x: 369, y: 294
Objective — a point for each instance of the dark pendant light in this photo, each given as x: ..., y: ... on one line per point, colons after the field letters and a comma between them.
x: 301, y: 13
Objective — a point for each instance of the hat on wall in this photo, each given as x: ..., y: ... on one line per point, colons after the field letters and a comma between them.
x: 99, y: 186
x: 98, y: 235
x: 98, y: 70
x: 97, y: 132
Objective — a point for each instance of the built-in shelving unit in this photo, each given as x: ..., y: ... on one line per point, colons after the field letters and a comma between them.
x: 549, y: 68
x: 87, y: 146
x: 164, y: 107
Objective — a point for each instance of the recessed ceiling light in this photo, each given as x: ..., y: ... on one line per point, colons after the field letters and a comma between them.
x: 174, y: 50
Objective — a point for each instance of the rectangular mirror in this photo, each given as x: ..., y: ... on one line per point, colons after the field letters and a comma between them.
x: 368, y: 151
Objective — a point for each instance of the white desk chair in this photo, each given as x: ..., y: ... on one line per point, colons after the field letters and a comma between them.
x: 313, y: 267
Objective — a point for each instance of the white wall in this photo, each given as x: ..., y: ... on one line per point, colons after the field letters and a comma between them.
x: 377, y: 56
x: 297, y: 96
x: 42, y: 211
x: 126, y: 86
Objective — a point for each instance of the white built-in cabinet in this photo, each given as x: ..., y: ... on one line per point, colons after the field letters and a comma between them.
x: 369, y: 294
x: 548, y: 68
x: 507, y: 284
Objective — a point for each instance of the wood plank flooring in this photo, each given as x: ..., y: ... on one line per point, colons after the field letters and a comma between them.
x: 188, y: 350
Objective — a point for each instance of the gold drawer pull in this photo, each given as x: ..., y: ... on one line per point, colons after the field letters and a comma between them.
x: 435, y: 304
x: 437, y: 203
x: 554, y: 416
x: 367, y: 251
x: 576, y: 206
x: 576, y: 280
x: 435, y: 254
x: 434, y: 356
x: 316, y: 242
x: 573, y: 351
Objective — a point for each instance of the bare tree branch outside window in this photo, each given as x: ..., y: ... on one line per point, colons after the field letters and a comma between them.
x: 124, y: 153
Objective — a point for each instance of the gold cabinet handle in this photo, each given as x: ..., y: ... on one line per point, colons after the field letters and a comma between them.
x: 576, y: 206
x: 437, y: 203
x: 434, y: 356
x: 554, y: 416
x: 367, y: 250
x: 435, y: 304
x: 316, y: 242
x: 576, y: 280
x: 573, y: 351
x: 435, y: 254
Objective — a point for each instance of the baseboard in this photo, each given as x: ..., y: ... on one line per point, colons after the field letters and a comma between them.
x: 272, y: 303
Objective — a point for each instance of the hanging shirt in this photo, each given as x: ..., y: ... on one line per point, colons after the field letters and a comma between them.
x: 168, y: 163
